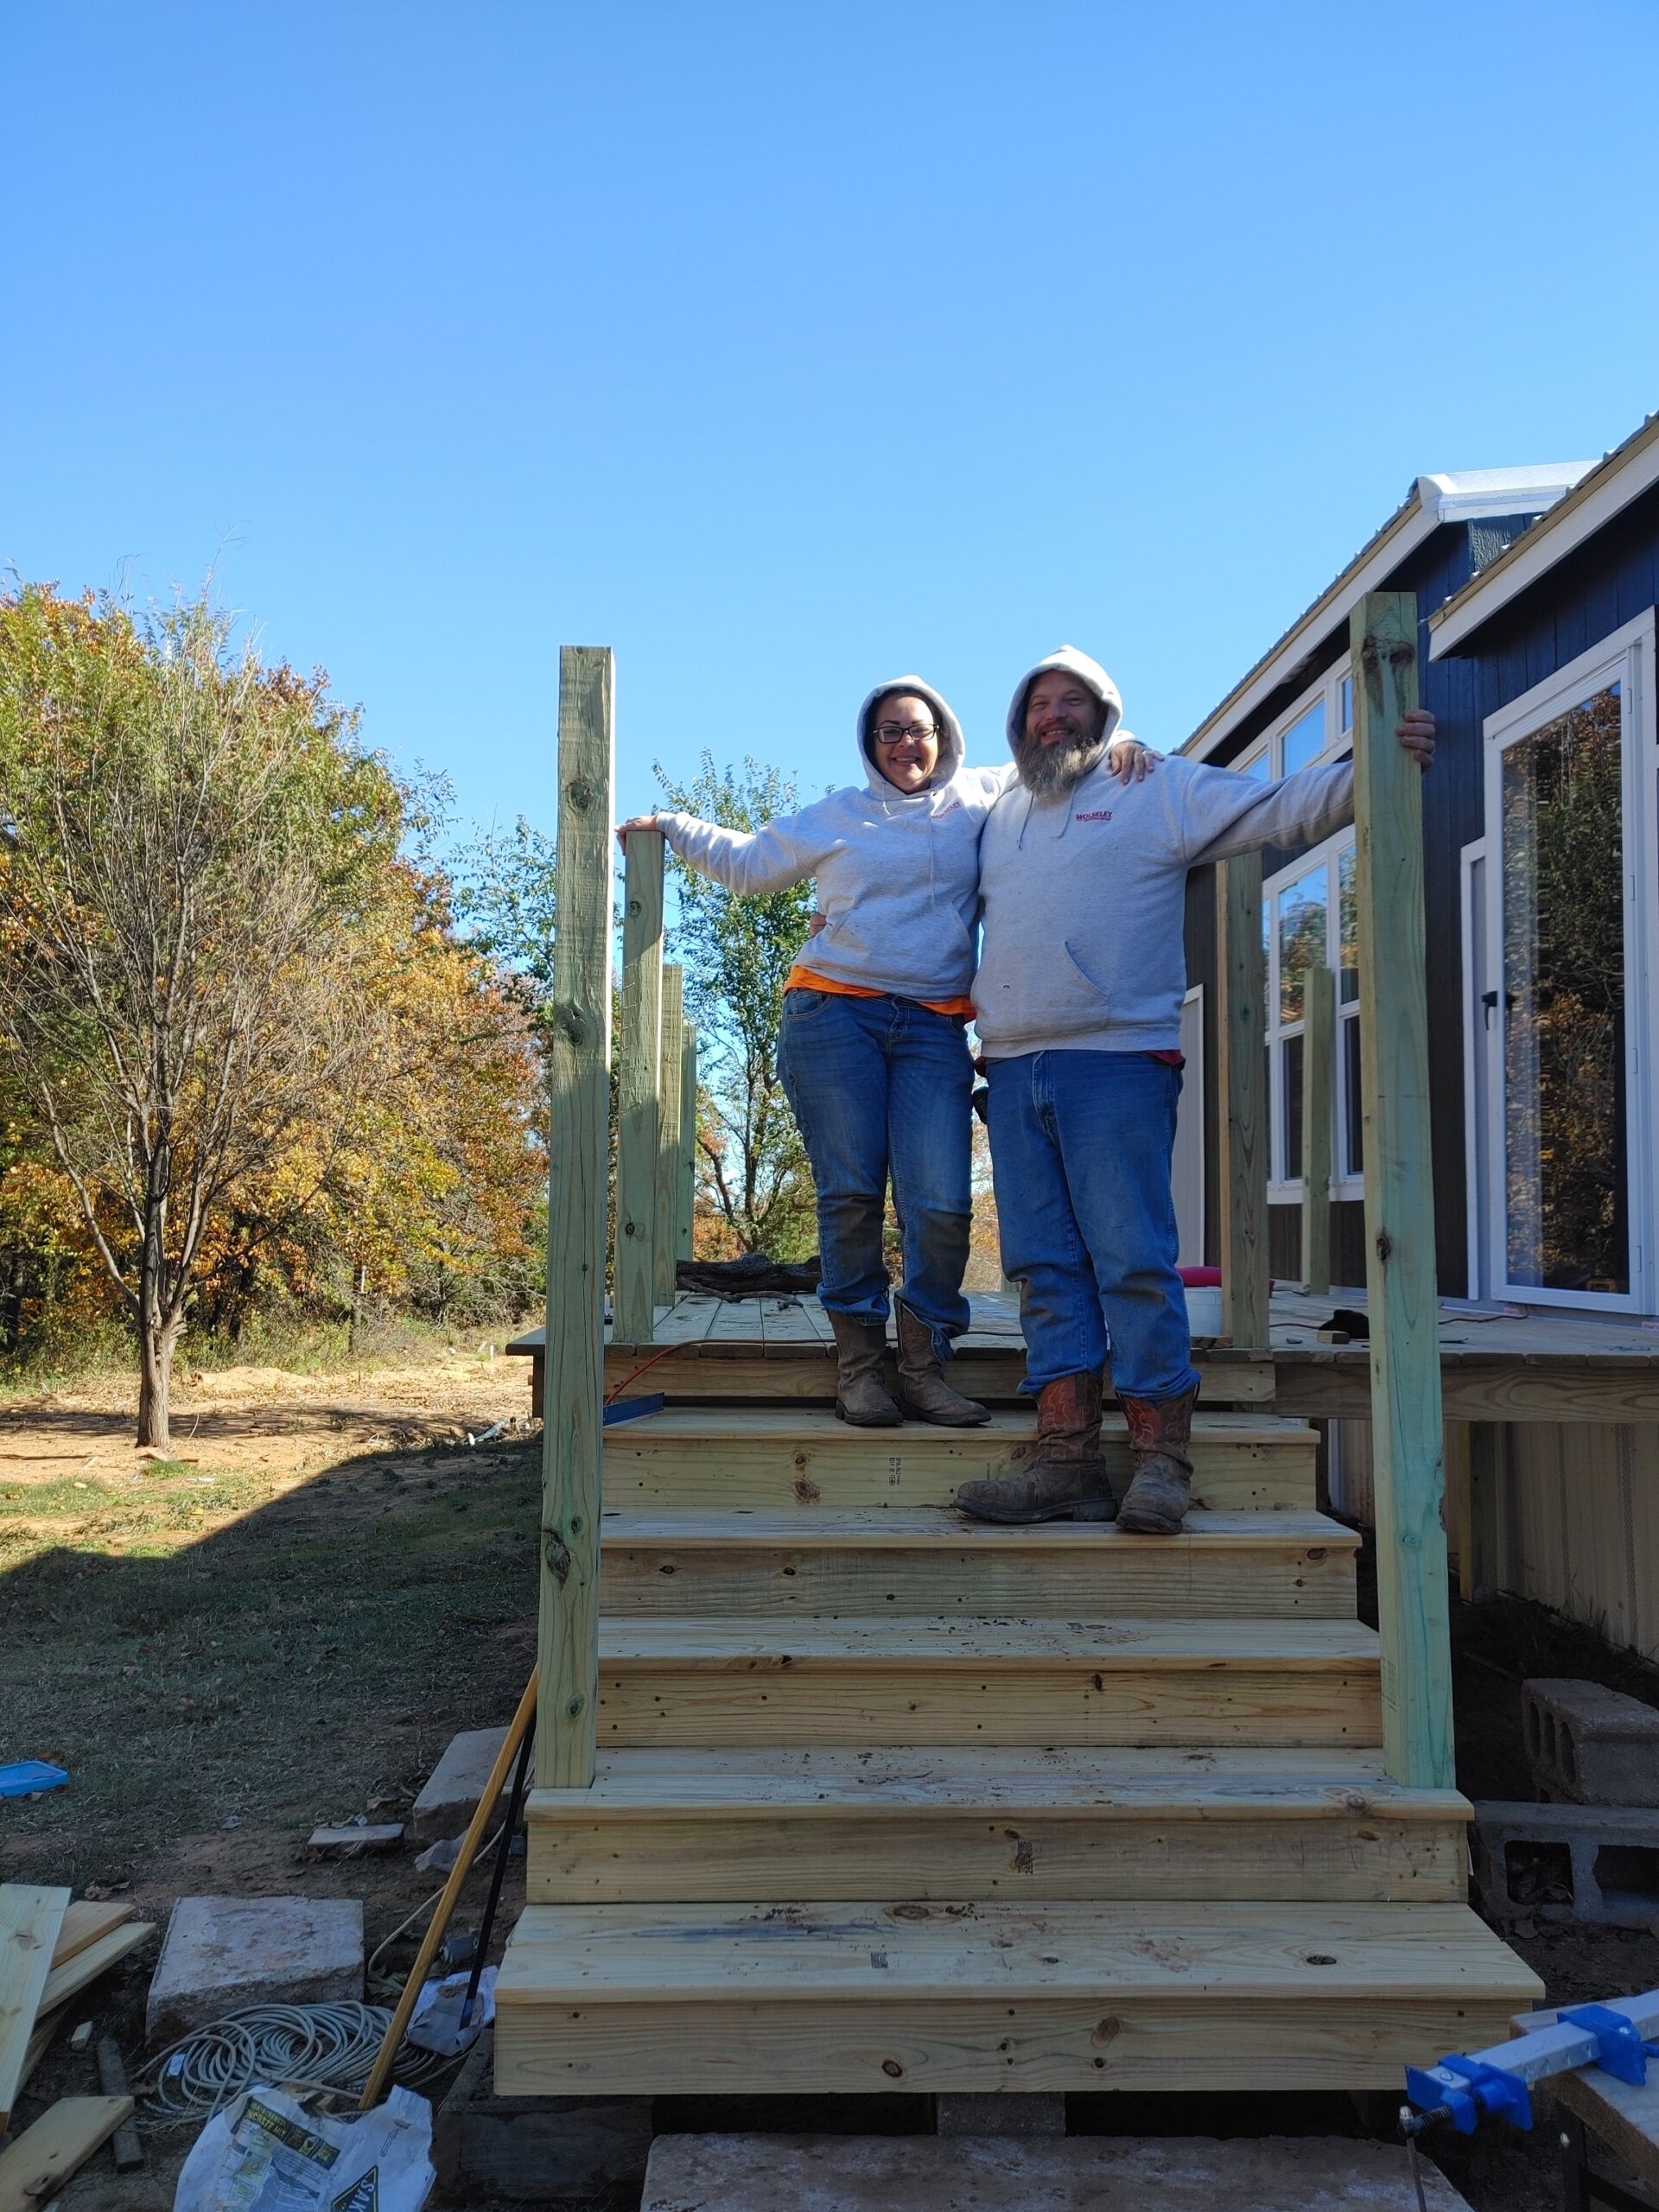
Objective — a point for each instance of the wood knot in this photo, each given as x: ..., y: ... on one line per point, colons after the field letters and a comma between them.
x: 581, y: 794
x: 1384, y: 1246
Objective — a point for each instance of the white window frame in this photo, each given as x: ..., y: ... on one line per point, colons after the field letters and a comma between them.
x: 1478, y: 1064
x: 1625, y: 657
x: 1335, y: 691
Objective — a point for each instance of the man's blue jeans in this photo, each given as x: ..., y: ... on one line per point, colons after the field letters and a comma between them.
x: 1080, y: 1152
x: 880, y: 1086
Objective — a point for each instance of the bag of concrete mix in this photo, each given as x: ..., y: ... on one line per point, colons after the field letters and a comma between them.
x: 266, y: 2153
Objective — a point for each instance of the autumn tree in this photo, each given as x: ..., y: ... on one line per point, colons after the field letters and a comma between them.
x: 737, y: 952
x: 188, y: 846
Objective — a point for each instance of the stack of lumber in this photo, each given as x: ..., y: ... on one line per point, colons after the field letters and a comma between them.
x: 51, y: 1949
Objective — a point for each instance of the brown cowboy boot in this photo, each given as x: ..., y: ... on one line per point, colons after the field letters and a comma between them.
x: 1059, y: 1474
x: 1161, y: 1444
x: 924, y: 1394
x: 860, y: 1395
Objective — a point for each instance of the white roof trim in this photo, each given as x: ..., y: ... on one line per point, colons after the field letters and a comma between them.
x: 1469, y: 496
x: 1621, y: 477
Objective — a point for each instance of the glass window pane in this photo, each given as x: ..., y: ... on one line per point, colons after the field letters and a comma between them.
x: 1353, y: 1105
x: 1259, y: 768
x: 1565, y: 1170
x: 1290, y: 1063
x: 1301, y: 938
x: 1305, y: 739
x: 1348, y: 928
x: 1347, y: 703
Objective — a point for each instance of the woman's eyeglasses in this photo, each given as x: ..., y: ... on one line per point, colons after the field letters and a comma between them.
x: 890, y: 734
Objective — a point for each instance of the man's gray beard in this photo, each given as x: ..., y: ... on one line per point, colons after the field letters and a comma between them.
x: 1048, y: 770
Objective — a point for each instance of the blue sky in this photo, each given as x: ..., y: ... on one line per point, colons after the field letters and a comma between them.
x: 782, y: 348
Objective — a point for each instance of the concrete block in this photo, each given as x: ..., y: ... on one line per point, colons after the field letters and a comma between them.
x: 1605, y: 1859
x: 221, y: 1953
x: 853, y: 2173
x: 520, y: 2149
x: 1028, y: 2112
x: 456, y: 1783
x: 1591, y: 1745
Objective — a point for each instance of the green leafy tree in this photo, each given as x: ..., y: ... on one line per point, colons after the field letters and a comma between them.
x: 753, y: 1178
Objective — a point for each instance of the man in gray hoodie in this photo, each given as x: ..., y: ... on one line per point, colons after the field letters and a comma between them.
x: 1077, y: 1001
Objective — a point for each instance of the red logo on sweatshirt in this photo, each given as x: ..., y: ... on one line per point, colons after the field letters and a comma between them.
x: 1101, y: 814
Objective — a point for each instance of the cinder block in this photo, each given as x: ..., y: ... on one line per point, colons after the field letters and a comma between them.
x: 1591, y: 1745
x: 221, y: 1953
x: 451, y: 1795
x: 1607, y: 1858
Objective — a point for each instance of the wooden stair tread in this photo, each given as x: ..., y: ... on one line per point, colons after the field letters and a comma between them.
x: 928, y: 1526
x: 819, y: 1427
x: 1300, y: 1954
x: 1008, y: 1643
x: 1222, y: 1783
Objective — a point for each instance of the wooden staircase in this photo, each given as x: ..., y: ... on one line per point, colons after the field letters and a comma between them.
x: 886, y: 1800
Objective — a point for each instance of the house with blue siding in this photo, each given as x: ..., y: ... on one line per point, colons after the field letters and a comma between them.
x: 1536, y: 590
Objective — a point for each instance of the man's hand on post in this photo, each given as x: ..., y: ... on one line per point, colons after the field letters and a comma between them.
x: 624, y: 829
x: 1417, y: 734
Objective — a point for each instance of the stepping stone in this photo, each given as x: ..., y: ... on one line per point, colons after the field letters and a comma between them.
x: 450, y: 1797
x: 221, y: 1953
x: 851, y: 2173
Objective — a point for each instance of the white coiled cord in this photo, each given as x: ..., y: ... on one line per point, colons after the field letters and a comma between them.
x: 287, y: 2046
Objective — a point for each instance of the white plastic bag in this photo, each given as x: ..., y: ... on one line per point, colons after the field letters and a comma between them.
x: 266, y: 2153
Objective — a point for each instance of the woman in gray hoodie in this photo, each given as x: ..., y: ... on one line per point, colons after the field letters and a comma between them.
x: 874, y: 1057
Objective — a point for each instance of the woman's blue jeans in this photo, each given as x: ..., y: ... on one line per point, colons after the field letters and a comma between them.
x: 881, y: 1087
x: 1080, y: 1152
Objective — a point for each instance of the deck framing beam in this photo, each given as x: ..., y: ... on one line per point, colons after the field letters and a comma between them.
x: 579, y: 1084
x: 1407, y: 1438
x: 637, y: 1119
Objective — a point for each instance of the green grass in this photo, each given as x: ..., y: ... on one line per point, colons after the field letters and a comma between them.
x: 274, y: 1670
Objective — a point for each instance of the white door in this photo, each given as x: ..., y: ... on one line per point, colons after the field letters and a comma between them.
x: 1187, y: 1167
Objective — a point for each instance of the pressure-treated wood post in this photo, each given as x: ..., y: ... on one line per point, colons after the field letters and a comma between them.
x: 579, y: 1081
x: 670, y: 1093
x: 1401, y: 1291
x: 688, y: 1187
x: 1242, y: 1088
x: 1318, y: 1044
x: 634, y: 1299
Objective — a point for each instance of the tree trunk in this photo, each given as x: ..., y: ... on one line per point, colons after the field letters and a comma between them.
x: 155, y: 1346
x: 158, y: 1330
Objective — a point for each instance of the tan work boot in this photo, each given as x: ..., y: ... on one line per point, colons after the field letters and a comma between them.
x: 1161, y: 1444
x: 860, y: 1395
x: 1059, y: 1474
x: 924, y: 1394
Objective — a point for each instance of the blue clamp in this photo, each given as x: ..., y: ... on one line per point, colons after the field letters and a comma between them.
x: 1619, y: 2047
x: 1491, y: 2089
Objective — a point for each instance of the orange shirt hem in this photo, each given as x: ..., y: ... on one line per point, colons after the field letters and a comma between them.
x: 805, y: 979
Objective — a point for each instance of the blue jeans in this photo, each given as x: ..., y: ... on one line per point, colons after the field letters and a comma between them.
x: 882, y: 1087
x: 1080, y: 1152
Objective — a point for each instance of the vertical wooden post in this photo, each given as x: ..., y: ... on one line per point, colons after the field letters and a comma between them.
x: 669, y: 1094
x: 1242, y: 1081
x: 1460, y: 1515
x: 579, y: 1081
x: 1406, y: 1442
x: 1318, y: 1045
x: 634, y: 1297
x: 688, y: 1186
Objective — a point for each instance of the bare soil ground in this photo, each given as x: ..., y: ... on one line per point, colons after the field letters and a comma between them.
x: 283, y: 1625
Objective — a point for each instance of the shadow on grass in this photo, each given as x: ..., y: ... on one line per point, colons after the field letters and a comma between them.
x: 279, y: 1671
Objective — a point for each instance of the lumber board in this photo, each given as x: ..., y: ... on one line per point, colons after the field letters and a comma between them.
x: 31, y: 1920
x: 1242, y: 1088
x: 686, y: 1197
x: 1197, y: 2042
x: 79, y: 1971
x: 1504, y: 1387
x: 87, y: 1920
x: 1402, y: 1292
x: 639, y: 1071
x: 1318, y: 1060
x: 930, y: 1561
x: 57, y: 2145
x: 669, y: 1094
x: 579, y: 1086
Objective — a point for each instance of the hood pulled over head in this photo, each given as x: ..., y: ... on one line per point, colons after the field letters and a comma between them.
x: 1089, y: 673
x: 953, y: 751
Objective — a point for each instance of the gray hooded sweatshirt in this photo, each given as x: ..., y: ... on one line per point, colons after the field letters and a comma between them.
x: 897, y: 872
x: 1085, y: 893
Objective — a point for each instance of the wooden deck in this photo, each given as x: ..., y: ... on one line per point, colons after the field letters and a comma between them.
x: 1495, y: 1365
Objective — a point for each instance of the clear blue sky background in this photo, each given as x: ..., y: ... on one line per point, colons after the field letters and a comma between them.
x: 786, y: 346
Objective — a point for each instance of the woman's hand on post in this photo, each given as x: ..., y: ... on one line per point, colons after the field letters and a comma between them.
x: 1129, y: 760
x: 1417, y: 734
x: 639, y: 822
